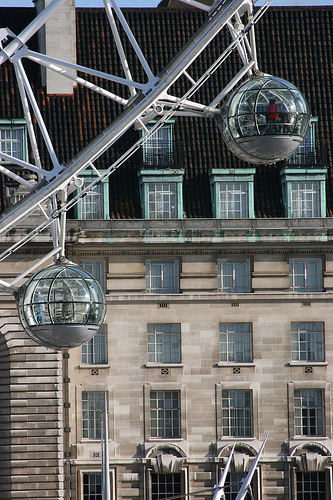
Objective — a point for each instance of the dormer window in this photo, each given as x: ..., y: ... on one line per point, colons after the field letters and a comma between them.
x: 158, y: 148
x: 95, y: 204
x: 232, y: 193
x: 304, y: 192
x: 13, y: 140
x: 161, y: 193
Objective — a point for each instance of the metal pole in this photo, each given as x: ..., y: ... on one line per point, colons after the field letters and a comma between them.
x: 246, y: 483
x: 106, y: 495
x: 219, y: 489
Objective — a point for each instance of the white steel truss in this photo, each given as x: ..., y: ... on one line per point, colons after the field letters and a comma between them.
x: 145, y: 101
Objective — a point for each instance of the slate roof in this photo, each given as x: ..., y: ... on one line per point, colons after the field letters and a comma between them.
x: 292, y: 43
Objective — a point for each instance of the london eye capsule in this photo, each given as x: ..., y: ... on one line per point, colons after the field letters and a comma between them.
x: 61, y: 306
x: 264, y: 120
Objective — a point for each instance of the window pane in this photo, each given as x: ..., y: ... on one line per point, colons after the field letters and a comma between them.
x: 233, y: 200
x: 165, y: 485
x: 234, y: 276
x: 165, y: 414
x: 307, y: 341
x: 311, y: 485
x: 164, y: 343
x: 237, y: 413
x: 306, y: 275
x: 92, y: 202
x: 12, y: 142
x: 158, y: 147
x: 236, y: 342
x: 309, y: 412
x: 162, y: 276
x: 94, y: 351
x: 162, y: 200
x: 96, y: 268
x: 92, y: 486
x: 305, y: 199
x: 92, y: 406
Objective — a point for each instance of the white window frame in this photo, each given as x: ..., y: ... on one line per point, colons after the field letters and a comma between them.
x: 165, y: 414
x: 232, y: 413
x: 96, y: 267
x: 307, y: 341
x: 164, y: 264
x: 306, y: 275
x: 94, y: 349
x: 234, y: 275
x: 166, y: 387
x: 235, y: 341
x: 305, y: 199
x: 161, y: 339
x: 316, y: 412
x: 16, y: 124
x: 232, y: 193
x: 100, y: 191
x: 161, y: 141
x: 304, y: 192
x: 88, y: 432
x: 168, y: 198
x: 90, y: 470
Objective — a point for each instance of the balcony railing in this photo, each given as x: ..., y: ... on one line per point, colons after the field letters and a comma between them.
x: 163, y: 155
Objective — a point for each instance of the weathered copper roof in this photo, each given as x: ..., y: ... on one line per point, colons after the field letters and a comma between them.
x: 292, y: 43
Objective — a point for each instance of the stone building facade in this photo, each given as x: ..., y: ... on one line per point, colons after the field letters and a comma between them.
x: 218, y: 330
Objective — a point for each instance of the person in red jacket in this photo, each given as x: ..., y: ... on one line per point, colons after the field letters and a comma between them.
x: 272, y: 111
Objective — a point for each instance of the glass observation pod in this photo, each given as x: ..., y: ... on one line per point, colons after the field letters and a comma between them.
x: 265, y: 120
x: 62, y: 306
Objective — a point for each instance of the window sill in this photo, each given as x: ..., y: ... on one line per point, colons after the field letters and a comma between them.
x: 231, y: 364
x: 236, y: 439
x: 93, y: 366
x: 164, y: 440
x: 309, y: 438
x: 164, y: 365
x: 308, y: 363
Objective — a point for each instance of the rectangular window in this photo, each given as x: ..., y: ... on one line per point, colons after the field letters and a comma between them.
x: 164, y: 343
x: 157, y: 150
x: 92, y: 486
x: 234, y: 276
x: 92, y: 203
x: 305, y: 199
x: 233, y: 484
x: 237, y: 413
x: 94, y: 351
x: 162, y: 200
x: 13, y: 141
x: 311, y: 485
x: 96, y: 268
x: 165, y: 414
x: 236, y: 342
x: 306, y: 275
x: 309, y: 410
x: 307, y: 341
x: 166, y: 485
x: 162, y: 276
x: 234, y: 200
x: 92, y: 406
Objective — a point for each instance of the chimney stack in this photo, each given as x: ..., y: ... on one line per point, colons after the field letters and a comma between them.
x: 58, y: 39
